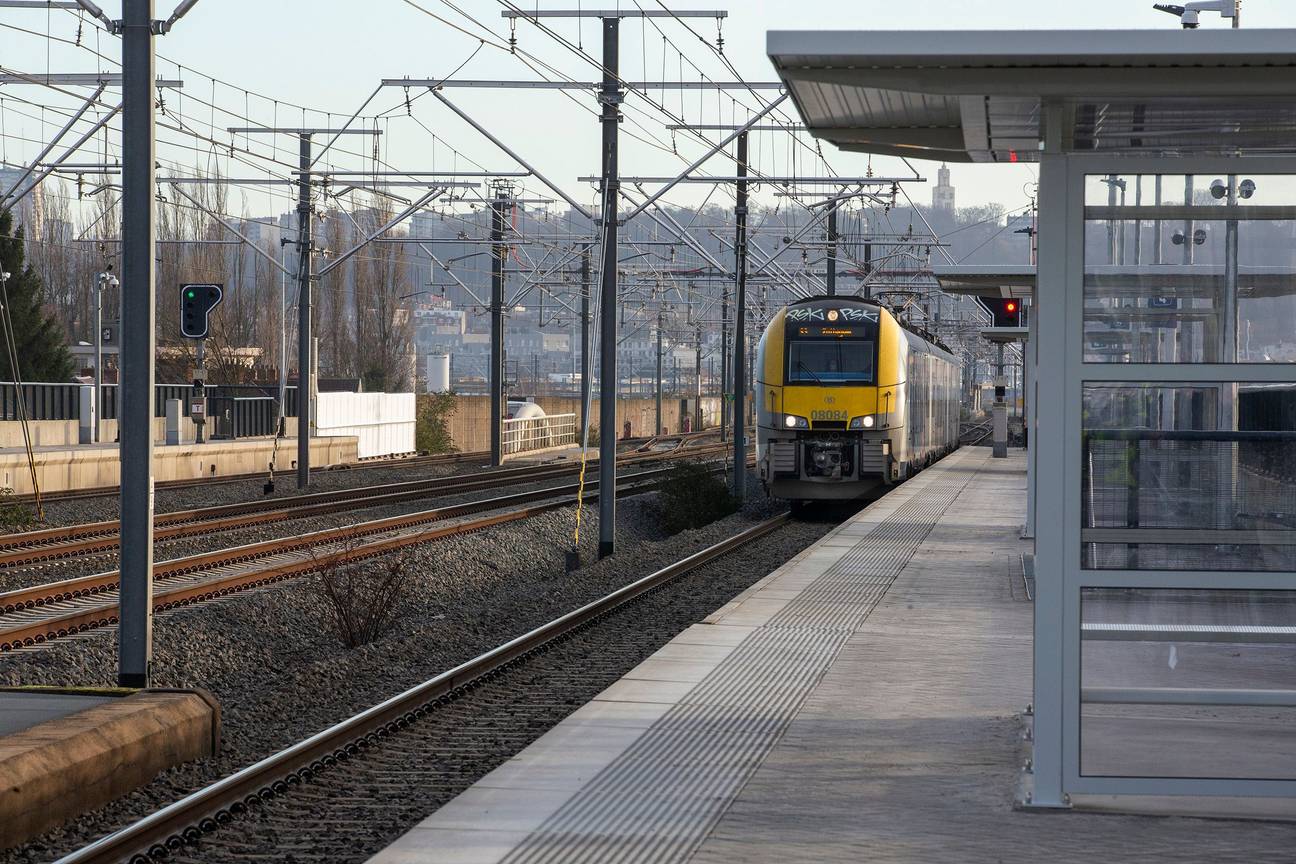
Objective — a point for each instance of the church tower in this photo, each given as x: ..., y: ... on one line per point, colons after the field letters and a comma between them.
x: 943, y: 193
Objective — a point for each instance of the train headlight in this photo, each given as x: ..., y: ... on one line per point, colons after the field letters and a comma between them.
x: 865, y: 422
x: 792, y: 421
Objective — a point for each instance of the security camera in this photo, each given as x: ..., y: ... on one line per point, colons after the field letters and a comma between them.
x: 1190, y: 13
x: 1218, y: 189
x: 1246, y: 189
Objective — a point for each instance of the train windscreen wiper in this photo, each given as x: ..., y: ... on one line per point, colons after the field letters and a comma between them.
x: 801, y: 365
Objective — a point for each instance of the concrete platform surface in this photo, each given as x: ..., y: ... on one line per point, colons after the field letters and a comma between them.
x: 23, y: 709
x: 861, y: 703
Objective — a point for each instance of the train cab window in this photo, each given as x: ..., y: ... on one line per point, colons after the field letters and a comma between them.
x: 830, y: 361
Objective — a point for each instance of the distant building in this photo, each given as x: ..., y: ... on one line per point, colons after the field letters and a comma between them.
x: 943, y: 192
x: 30, y: 212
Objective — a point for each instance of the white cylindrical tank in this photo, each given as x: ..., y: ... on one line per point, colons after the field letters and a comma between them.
x: 438, y: 373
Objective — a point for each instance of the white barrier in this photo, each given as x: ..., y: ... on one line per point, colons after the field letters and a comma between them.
x: 383, y: 423
x: 539, y: 433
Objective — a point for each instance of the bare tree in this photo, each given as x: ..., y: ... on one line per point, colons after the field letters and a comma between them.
x: 362, y: 597
x: 383, y: 326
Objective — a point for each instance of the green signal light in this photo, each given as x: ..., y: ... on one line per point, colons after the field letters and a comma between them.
x: 190, y: 294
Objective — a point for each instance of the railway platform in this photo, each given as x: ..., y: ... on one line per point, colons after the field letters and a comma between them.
x: 94, y: 466
x: 865, y: 701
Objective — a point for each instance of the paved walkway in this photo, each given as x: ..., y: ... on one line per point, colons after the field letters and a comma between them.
x: 859, y: 704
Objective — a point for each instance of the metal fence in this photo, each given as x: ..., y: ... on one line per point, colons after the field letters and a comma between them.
x: 42, y: 401
x: 63, y: 401
x: 243, y: 416
x: 537, y: 433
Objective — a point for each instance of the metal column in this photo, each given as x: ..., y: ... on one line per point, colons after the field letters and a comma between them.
x: 1060, y: 250
x: 587, y: 365
x: 305, y: 418
x: 98, y: 376
x: 724, y: 362
x: 496, y: 374
x: 740, y: 323
x: 135, y: 408
x: 610, y: 96
x: 697, y: 382
x: 658, y: 429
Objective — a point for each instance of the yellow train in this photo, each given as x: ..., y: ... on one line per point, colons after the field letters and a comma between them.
x: 846, y: 396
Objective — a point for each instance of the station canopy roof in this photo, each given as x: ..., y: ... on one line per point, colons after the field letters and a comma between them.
x: 1002, y: 280
x: 975, y: 96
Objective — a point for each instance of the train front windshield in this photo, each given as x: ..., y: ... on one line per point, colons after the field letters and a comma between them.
x: 832, y: 360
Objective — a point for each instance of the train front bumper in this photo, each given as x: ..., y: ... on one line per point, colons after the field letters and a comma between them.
x: 816, y: 465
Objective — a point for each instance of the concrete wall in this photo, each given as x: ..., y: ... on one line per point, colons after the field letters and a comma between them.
x: 470, y: 423
x: 93, y: 467
x: 63, y: 433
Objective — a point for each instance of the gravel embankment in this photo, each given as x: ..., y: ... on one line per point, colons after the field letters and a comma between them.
x: 83, y: 565
x: 273, y: 659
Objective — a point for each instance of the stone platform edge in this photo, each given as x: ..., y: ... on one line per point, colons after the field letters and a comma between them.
x: 57, y: 770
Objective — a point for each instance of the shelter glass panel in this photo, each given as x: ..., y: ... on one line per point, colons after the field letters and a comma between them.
x: 1189, y: 477
x: 1190, y: 269
x: 1188, y: 683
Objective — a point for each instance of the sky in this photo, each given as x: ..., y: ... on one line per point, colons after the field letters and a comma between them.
x: 271, y: 57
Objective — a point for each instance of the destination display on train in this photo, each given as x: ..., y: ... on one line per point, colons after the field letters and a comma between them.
x: 831, y: 331
x: 846, y: 322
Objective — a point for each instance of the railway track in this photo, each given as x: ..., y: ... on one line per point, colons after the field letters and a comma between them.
x: 41, y: 613
x: 51, y: 544
x: 639, y: 444
x: 175, y: 830
x: 976, y: 433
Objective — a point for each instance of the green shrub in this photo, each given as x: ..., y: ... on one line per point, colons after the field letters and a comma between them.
x: 691, y: 496
x: 432, y: 423
x: 15, y: 516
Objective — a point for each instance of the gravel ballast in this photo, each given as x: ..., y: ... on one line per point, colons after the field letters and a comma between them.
x: 180, y: 547
x: 272, y: 657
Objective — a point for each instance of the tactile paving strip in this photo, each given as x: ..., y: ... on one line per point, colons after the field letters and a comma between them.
x: 658, y: 800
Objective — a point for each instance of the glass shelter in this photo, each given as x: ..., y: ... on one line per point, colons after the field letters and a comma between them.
x: 1164, y: 335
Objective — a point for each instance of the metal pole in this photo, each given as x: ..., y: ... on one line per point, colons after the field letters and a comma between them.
x: 497, y: 330
x: 832, y: 252
x: 587, y: 365
x: 98, y: 378
x: 657, y: 430
x: 724, y: 361
x: 201, y: 376
x: 697, y: 383
x: 304, y: 261
x: 283, y: 348
x: 740, y: 320
x: 135, y: 412
x: 610, y: 95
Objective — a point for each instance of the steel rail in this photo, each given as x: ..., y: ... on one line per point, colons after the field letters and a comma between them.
x: 43, y: 629
x: 48, y: 544
x: 186, y: 821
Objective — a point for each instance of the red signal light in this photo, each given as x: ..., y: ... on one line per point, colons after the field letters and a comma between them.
x: 1010, y: 306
